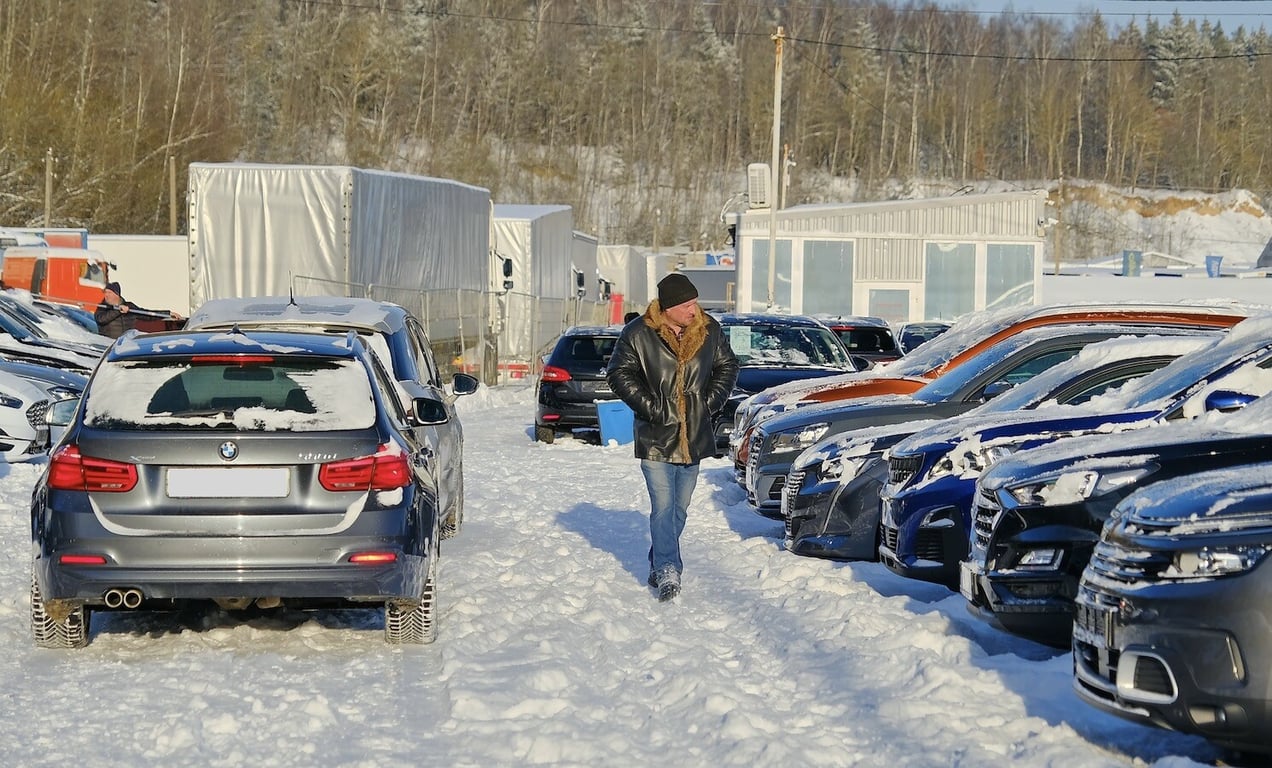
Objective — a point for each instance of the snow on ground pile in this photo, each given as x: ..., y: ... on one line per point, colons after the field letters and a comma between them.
x: 553, y: 651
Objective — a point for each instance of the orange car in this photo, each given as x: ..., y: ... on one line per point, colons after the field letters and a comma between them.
x: 962, y: 342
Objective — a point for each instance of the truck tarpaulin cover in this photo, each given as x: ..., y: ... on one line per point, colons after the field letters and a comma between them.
x: 254, y: 227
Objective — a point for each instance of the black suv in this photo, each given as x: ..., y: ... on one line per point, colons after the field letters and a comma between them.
x: 1171, y: 627
x: 572, y: 380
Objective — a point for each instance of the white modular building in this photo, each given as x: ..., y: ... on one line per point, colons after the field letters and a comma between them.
x: 902, y: 260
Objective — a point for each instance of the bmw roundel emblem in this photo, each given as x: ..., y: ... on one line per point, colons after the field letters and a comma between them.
x: 228, y: 450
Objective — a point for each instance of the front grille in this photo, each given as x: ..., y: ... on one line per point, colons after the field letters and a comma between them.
x: 902, y: 468
x: 35, y: 414
x: 753, y: 455
x: 889, y: 536
x: 983, y: 515
x: 1115, y: 563
x: 793, y: 482
x: 775, y: 490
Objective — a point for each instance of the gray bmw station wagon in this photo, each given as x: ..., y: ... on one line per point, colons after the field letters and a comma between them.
x: 256, y: 468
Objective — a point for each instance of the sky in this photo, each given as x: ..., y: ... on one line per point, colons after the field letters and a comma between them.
x: 1251, y: 14
x: 553, y: 651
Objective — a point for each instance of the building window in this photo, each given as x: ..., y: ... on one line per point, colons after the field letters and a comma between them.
x: 1009, y: 275
x: 827, y: 277
x: 760, y: 273
x: 949, y: 280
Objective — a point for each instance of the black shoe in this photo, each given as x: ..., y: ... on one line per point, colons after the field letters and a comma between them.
x: 652, y: 580
x: 667, y: 582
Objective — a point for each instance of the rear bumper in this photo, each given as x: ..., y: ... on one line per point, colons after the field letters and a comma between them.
x: 403, y: 579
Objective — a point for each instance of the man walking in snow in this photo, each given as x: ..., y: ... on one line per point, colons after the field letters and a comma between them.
x: 674, y: 368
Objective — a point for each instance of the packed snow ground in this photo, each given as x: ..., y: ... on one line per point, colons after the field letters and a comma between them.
x: 553, y: 651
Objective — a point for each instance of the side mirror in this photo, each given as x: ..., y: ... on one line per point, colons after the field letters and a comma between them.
x: 430, y: 411
x: 464, y: 384
x: 1226, y: 400
x: 62, y: 413
x: 861, y: 363
x: 996, y: 389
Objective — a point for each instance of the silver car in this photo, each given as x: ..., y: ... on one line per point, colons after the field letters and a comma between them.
x: 241, y: 467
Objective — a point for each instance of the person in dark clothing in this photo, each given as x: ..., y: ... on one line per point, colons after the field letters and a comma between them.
x: 115, y: 316
x: 630, y: 316
x: 674, y: 368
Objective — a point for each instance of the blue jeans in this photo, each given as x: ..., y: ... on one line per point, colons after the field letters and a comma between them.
x: 670, y: 488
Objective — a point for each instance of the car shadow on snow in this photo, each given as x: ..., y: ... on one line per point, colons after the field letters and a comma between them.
x: 201, y: 616
x: 738, y: 512
x: 1043, y: 682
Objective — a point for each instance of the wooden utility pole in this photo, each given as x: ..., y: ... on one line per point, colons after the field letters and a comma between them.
x: 48, y: 187
x: 775, y: 172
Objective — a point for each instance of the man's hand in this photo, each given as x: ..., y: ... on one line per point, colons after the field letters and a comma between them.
x: 123, y: 308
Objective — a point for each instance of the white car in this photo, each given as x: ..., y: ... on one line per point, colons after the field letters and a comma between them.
x: 24, y: 433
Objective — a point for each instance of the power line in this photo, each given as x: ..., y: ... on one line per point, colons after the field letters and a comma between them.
x: 1246, y: 54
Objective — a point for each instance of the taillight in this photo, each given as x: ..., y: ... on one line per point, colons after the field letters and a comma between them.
x: 71, y: 471
x: 373, y: 558
x: 387, y: 469
x: 82, y: 559
x: 553, y: 373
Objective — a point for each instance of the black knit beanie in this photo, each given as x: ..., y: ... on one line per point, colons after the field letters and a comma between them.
x: 675, y: 289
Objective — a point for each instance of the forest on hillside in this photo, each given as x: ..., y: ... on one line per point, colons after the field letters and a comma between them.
x: 641, y: 114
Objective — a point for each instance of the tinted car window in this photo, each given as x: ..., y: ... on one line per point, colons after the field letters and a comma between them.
x: 584, y: 349
x: 867, y: 339
x: 294, y: 394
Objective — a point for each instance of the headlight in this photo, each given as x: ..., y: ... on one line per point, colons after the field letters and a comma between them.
x: 1075, y: 486
x: 840, y: 468
x: 63, y: 393
x: 1220, y: 561
x: 785, y: 442
x: 979, y: 460
x: 970, y: 461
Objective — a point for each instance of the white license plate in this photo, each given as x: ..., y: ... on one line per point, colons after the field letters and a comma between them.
x: 228, y: 482
x: 968, y: 574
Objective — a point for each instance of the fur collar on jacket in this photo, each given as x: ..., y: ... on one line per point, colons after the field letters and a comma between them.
x: 690, y: 340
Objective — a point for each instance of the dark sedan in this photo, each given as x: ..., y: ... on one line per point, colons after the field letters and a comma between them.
x: 1039, y: 513
x: 774, y: 350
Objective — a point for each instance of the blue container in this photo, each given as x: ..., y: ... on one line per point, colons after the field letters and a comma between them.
x: 617, y: 421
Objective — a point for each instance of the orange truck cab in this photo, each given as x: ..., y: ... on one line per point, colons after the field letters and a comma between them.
x: 66, y: 275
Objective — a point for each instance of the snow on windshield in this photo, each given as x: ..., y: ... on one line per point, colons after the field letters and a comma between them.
x: 296, y: 395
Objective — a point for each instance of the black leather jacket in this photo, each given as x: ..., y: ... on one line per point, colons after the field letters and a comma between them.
x: 673, y: 403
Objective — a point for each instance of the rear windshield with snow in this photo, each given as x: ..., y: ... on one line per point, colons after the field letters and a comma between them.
x: 253, y: 393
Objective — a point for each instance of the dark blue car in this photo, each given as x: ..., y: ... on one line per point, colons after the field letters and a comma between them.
x: 776, y: 349
x: 926, y: 504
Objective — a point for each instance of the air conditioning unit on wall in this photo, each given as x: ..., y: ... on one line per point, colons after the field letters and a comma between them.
x: 758, y: 180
